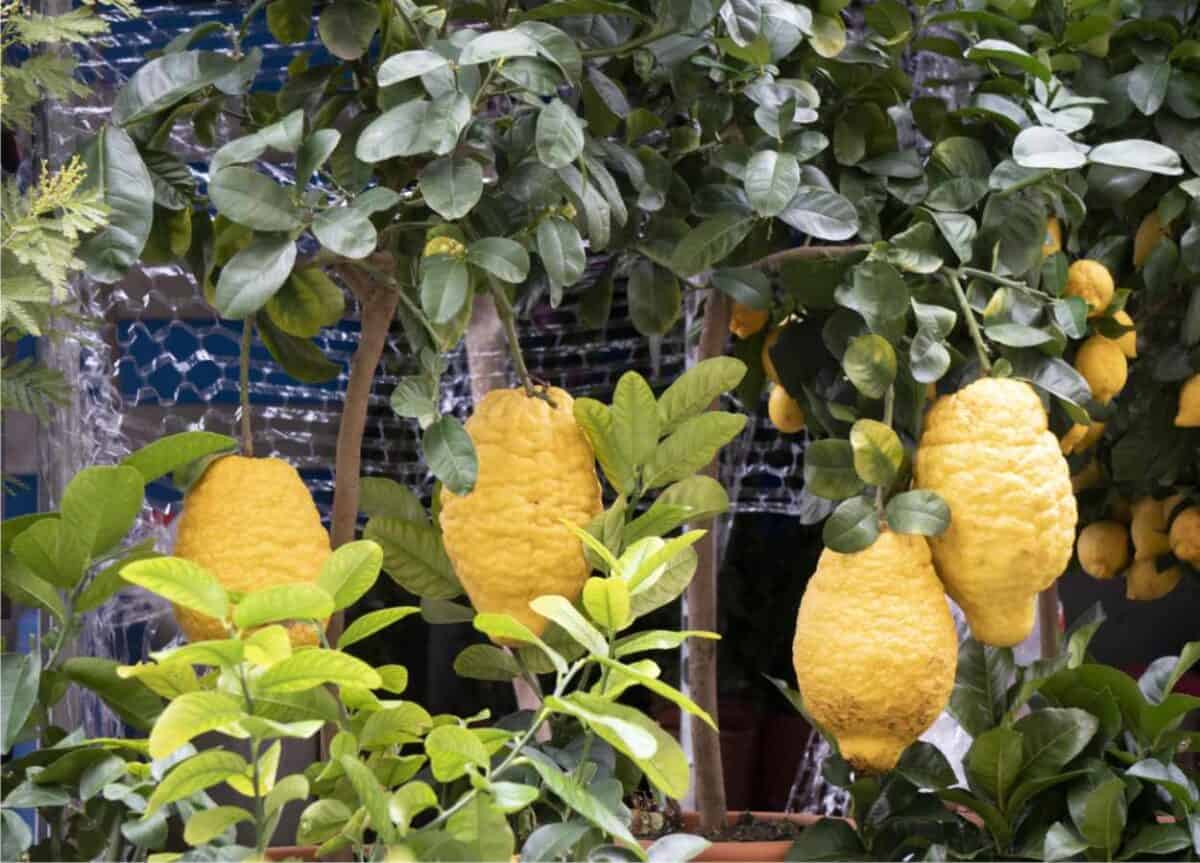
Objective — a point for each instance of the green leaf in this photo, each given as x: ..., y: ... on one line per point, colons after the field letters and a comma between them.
x: 656, y: 639
x: 697, y: 389
x: 307, y: 302
x: 559, y: 135
x: 408, y: 65
x: 828, y: 839
x: 870, y: 364
x: 571, y: 791
x: 170, y: 453
x: 99, y: 506
x: 282, y: 135
x: 371, y: 794
x: 998, y: 49
x: 829, y: 470
x: 709, y: 243
x: 314, y: 667
x: 450, y: 454
x: 1042, y: 147
x: 1062, y: 843
x: 691, y: 446
x: 1146, y: 84
x: 612, y: 722
x: 486, y: 662
x: 24, y: 586
x: 694, y: 499
x: 345, y: 231
x: 15, y: 835
x: 415, y: 127
x: 347, y: 26
x: 164, y: 81
x: 19, y: 676
x: 821, y: 213
x: 253, y: 275
x: 501, y: 257
x: 877, y: 292
x: 452, y: 186
x: 282, y: 602
x: 322, y: 820
x: 853, y: 526
x: 878, y: 453
x: 206, y: 825
x: 373, y: 622
x: 249, y: 198
x: 771, y: 181
x: 561, y: 250
x: 445, y: 285
x: 1138, y: 154
x: 994, y: 762
x: 192, y: 714
x: 116, y: 172
x: 662, y: 689
x: 380, y: 496
x: 655, y: 300
x: 289, y: 21
x: 414, y: 557
x: 607, y: 602
x: 1160, y: 678
x: 920, y: 512
x: 596, y: 420
x: 1053, y: 737
x: 978, y: 700
x: 482, y: 830
x: 744, y: 285
x: 562, y: 612
x: 404, y: 722
x: 1104, y: 815
x: 498, y: 45
x: 181, y: 582
x: 635, y: 416
x: 195, y: 774
x: 1157, y: 839
x: 409, y: 801
x: 451, y: 749
x: 299, y: 358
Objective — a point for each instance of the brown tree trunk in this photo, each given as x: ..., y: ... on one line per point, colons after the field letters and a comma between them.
x: 1048, y: 621
x: 701, y: 671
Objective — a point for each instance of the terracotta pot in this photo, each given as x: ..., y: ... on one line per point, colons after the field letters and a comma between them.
x: 745, y: 852
x: 293, y: 852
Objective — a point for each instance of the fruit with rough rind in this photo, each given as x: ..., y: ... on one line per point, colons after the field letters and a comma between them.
x: 785, y: 412
x: 875, y: 648
x: 1145, y: 581
x: 1093, y: 283
x: 506, y: 538
x: 745, y: 321
x: 1103, y: 365
x: 1189, y: 404
x: 1103, y: 549
x: 252, y: 523
x: 987, y: 451
x: 1081, y: 438
x: 1089, y: 477
x: 1127, y: 341
x: 1149, y: 529
x: 1185, y: 536
x: 1052, y: 242
x: 1149, y: 234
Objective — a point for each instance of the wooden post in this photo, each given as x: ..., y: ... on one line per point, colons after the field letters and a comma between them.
x: 1048, y: 621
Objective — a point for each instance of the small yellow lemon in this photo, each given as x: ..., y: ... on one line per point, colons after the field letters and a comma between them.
x: 1052, y: 242
x: 1103, y: 549
x: 1092, y: 282
x: 1081, y: 438
x: 1149, y: 529
x: 785, y: 412
x: 1149, y: 234
x: 768, y: 366
x: 746, y: 321
x: 1103, y: 365
x: 252, y: 523
x: 1145, y: 581
x: 1189, y: 404
x: 875, y: 648
x: 1127, y: 341
x: 1185, y: 536
x: 444, y: 246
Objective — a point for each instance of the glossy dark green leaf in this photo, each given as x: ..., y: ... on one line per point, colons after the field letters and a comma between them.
x: 450, y: 454
x: 254, y: 274
x: 829, y: 469
x: 559, y: 136
x: 709, y: 243
x: 821, y: 213
x: 853, y: 526
x: 314, y: 152
x: 290, y: 20
x: 164, y: 81
x: 307, y: 302
x: 1138, y: 154
x: 877, y: 292
x: 501, y: 257
x: 445, y: 284
x: 347, y: 27
x: 452, y: 186
x: 978, y: 700
x: 409, y: 64
x: 561, y: 250
x: 1007, y: 52
x: 744, y: 285
x: 771, y: 180
x: 870, y: 364
x: 298, y: 357
x: 249, y: 198
x: 919, y: 511
x: 346, y: 231
x: 117, y: 173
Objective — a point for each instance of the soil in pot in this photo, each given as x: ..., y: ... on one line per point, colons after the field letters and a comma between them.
x: 759, y: 836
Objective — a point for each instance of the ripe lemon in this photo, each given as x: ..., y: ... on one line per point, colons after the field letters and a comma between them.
x: 785, y: 412
x: 1149, y: 529
x: 506, y: 538
x: 1149, y: 234
x: 1103, y: 549
x: 1145, y: 581
x: 252, y: 523
x: 1185, y: 536
x: 1189, y: 404
x: 1092, y: 282
x: 768, y: 366
x: 987, y: 451
x: 1081, y: 438
x: 745, y: 321
x: 1052, y: 242
x: 1103, y: 365
x: 875, y: 648
x: 1127, y: 341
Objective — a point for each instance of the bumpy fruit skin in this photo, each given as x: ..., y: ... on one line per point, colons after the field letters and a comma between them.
x: 1103, y: 549
x: 1185, y: 536
x: 444, y: 246
x: 875, y: 648
x: 1149, y: 529
x: 1189, y: 404
x: 1102, y: 363
x: 785, y: 412
x: 1149, y: 234
x: 1127, y: 341
x: 251, y: 522
x: 1092, y: 282
x: 506, y: 538
x: 745, y: 321
x: 1052, y: 242
x: 987, y: 451
x: 1146, y: 582
x: 1081, y: 438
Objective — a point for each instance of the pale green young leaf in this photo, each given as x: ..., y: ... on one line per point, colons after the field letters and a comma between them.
x: 181, y: 582
x: 409, y: 801
x: 168, y: 680
x: 170, y: 453
x: 314, y: 667
x: 486, y: 662
x: 666, y: 585
x: 373, y: 622
x: 635, y: 419
x: 561, y: 611
x: 266, y: 646
x: 191, y: 714
x: 282, y: 602
x: 403, y: 723
x: 195, y: 774
x: 350, y: 571
x: 217, y: 653
x: 657, y: 639
x: 597, y: 422
x: 662, y: 556
x: 596, y: 547
x: 692, y: 445
x: 322, y: 820
x: 607, y: 602
x: 503, y: 628
x: 609, y: 721
x: 371, y: 794
x: 878, y: 453
x: 575, y: 794
x: 287, y: 789
x: 663, y: 689
x: 481, y: 830
x: 451, y: 749
x: 206, y: 825
x: 697, y: 389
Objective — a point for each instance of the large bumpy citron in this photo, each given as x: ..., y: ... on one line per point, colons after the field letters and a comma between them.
x: 875, y: 648
x: 987, y: 451
x: 251, y: 522
x: 1185, y: 536
x: 745, y: 321
x: 506, y: 538
x: 1103, y: 365
x: 1188, y: 415
x: 1103, y: 549
x: 1092, y: 282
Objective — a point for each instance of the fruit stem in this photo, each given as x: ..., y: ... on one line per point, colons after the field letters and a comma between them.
x: 244, y: 387
x: 992, y: 277
x: 889, y: 406
x: 508, y: 319
x: 954, y: 279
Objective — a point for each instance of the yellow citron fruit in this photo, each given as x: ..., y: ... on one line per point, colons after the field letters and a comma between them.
x: 1081, y: 438
x: 1149, y: 529
x: 875, y: 648
x: 987, y: 451
x: 1127, y: 341
x: 1189, y: 404
x: 1052, y: 242
x: 506, y: 538
x: 1149, y: 234
x: 252, y: 523
x: 785, y: 412
x: 745, y: 321
x: 1103, y: 365
x: 1185, y: 536
x: 1146, y: 581
x: 1092, y: 282
x: 768, y: 366
x: 1103, y: 549
x: 444, y: 246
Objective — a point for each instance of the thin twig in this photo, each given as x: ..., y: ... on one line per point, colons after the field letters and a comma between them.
x: 953, y: 279
x: 889, y: 404
x: 627, y: 47
x: 244, y: 387
x: 508, y: 319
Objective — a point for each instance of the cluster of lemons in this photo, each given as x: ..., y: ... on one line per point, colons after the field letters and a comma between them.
x: 785, y: 412
x: 1103, y: 546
